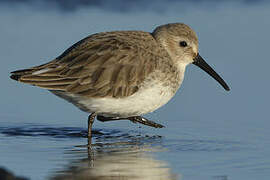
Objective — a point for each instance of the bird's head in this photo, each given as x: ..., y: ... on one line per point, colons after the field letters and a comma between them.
x: 181, y: 43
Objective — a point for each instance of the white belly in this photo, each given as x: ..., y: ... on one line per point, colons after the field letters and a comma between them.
x: 146, y: 100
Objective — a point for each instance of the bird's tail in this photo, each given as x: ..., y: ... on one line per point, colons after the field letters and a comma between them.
x: 16, y: 75
x: 47, y: 76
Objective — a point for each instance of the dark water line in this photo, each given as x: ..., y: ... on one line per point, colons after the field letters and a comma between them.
x: 122, y: 6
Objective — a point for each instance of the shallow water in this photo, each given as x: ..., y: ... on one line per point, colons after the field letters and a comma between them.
x: 48, y: 152
x: 209, y: 134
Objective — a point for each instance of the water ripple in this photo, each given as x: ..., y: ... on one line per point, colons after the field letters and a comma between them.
x: 205, y: 145
x: 34, y: 130
x: 100, y: 135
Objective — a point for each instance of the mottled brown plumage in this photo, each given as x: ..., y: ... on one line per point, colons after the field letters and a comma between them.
x: 112, y: 64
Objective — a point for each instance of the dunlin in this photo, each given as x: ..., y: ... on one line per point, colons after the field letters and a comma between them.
x: 121, y: 74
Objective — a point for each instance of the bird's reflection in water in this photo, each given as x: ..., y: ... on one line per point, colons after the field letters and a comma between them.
x: 121, y: 160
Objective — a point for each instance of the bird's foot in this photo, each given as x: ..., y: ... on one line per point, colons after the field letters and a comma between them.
x: 144, y: 121
x: 134, y: 119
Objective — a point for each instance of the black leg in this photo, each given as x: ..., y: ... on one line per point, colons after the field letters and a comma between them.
x: 90, y: 154
x: 134, y: 119
x: 91, y: 119
x: 105, y: 119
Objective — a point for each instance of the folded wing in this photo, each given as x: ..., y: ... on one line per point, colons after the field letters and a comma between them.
x: 100, y: 65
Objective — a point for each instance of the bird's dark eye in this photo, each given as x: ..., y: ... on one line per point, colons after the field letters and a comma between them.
x: 183, y: 43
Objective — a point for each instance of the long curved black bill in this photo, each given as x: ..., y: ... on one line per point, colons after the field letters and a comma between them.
x: 198, y: 61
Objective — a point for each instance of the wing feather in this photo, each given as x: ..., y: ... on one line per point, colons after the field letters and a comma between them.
x: 98, y: 66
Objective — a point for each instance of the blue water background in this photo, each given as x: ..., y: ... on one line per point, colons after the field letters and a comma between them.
x: 210, y: 133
